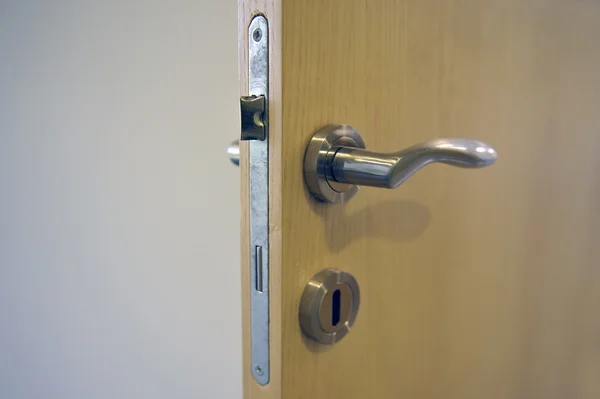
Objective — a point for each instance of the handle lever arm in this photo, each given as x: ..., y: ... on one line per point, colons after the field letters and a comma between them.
x: 359, y: 166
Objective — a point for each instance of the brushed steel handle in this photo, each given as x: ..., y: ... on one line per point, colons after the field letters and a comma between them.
x: 233, y: 151
x: 336, y: 161
x: 367, y: 168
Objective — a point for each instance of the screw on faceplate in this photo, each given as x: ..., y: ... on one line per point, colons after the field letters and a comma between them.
x: 257, y: 34
x: 258, y: 370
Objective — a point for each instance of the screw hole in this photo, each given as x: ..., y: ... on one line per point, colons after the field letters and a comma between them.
x: 257, y: 35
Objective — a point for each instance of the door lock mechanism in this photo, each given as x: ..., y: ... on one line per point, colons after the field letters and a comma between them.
x: 329, y: 306
x: 253, y: 121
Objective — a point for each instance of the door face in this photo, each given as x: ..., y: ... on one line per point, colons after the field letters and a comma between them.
x: 474, y: 283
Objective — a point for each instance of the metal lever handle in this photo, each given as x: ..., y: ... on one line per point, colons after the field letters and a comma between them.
x: 367, y: 168
x: 233, y: 150
x: 336, y: 162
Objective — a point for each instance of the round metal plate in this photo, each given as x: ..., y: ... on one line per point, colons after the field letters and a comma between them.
x: 316, y: 304
x: 317, y: 163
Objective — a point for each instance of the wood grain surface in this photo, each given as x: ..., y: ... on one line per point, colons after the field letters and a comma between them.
x: 474, y: 283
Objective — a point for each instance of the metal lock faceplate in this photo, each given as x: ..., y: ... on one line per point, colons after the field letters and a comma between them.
x: 329, y: 306
x: 255, y: 110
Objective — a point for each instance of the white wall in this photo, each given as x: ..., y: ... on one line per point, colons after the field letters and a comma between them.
x: 119, y: 211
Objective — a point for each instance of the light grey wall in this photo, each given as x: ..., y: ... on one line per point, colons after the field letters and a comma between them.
x: 119, y: 212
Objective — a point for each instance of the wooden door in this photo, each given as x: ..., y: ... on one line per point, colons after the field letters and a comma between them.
x: 474, y: 283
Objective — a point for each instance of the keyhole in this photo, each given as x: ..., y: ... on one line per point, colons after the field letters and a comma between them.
x: 336, y: 307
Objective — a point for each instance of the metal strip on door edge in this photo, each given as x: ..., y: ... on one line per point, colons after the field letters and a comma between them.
x: 258, y: 84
